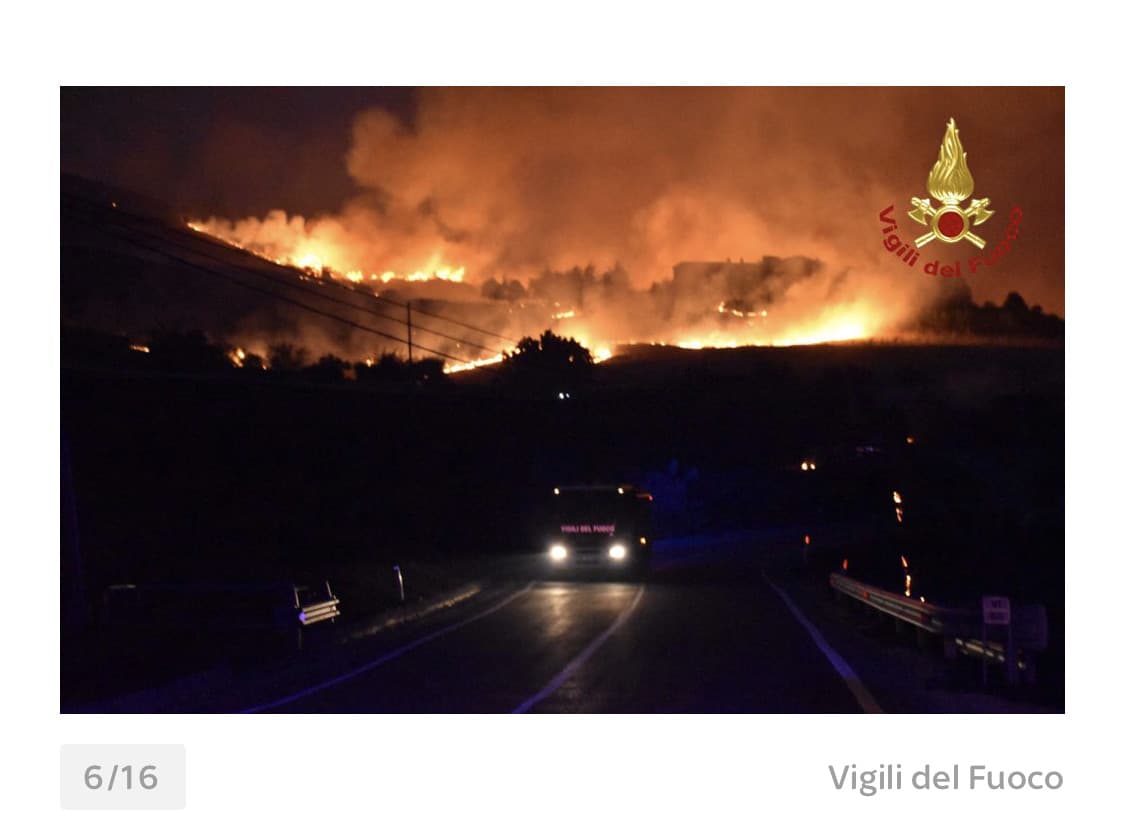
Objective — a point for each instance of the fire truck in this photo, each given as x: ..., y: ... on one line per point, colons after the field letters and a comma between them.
x: 599, y: 527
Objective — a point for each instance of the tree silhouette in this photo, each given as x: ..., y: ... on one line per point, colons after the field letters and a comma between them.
x: 188, y: 352
x: 392, y: 368
x: 254, y: 363
x: 327, y: 369
x: 548, y: 365
x: 286, y: 358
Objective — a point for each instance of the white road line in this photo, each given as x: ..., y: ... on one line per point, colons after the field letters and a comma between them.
x: 390, y: 656
x: 854, y: 684
x: 583, y: 656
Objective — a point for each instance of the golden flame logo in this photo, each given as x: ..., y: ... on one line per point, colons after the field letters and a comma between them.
x: 950, y: 182
x: 950, y: 179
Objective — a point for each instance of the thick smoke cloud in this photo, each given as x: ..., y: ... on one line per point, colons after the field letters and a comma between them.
x: 519, y: 184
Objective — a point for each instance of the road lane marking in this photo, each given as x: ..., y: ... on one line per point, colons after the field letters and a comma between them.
x: 583, y: 656
x: 850, y: 678
x: 390, y: 656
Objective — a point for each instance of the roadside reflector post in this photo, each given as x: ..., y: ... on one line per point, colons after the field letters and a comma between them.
x: 984, y: 654
x: 1011, y: 659
x: 401, y: 588
x: 299, y: 636
x: 996, y: 611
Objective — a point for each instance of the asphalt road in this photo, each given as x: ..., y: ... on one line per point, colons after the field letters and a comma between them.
x: 711, y: 638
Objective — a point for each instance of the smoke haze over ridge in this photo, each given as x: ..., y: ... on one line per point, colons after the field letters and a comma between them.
x: 516, y: 184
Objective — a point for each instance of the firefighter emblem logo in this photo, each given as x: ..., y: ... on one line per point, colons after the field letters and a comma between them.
x: 950, y: 183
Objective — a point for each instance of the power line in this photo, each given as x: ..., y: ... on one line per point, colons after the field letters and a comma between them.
x: 289, y: 300
x: 275, y: 278
x: 381, y: 300
x: 448, y: 319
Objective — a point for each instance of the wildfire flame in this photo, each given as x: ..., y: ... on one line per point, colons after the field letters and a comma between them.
x: 432, y: 272
x: 735, y: 324
x: 843, y: 324
x: 461, y: 367
x: 950, y: 180
x: 320, y: 257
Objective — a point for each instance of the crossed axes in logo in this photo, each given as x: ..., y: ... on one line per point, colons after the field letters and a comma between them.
x: 927, y: 215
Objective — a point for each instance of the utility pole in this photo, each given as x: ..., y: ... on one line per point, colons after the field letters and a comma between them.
x: 409, y: 335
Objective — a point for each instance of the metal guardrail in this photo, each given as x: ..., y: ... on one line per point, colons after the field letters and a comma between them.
x: 313, y: 613
x: 929, y: 617
x: 991, y: 651
x: 956, y: 626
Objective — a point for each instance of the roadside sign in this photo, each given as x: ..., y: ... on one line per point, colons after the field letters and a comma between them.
x: 996, y: 610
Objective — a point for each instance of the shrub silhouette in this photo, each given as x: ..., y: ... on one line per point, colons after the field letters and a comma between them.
x: 188, y: 352
x: 286, y: 358
x: 393, y: 368
x: 548, y: 365
x: 327, y: 369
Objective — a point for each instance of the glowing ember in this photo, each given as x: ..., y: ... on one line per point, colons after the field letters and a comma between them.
x: 140, y: 348
x: 724, y: 308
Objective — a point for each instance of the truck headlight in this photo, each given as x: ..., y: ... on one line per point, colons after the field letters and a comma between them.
x: 557, y: 552
x: 617, y: 551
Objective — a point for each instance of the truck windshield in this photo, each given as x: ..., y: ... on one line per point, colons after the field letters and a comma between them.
x: 590, y: 506
x: 600, y: 511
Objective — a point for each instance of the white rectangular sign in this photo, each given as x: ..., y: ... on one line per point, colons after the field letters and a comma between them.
x: 997, y: 610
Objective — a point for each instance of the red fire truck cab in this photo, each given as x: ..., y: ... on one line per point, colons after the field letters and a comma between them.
x: 605, y: 527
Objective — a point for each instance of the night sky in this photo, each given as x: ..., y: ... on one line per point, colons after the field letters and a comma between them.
x: 227, y: 151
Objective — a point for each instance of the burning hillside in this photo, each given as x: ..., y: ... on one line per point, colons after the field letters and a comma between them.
x: 498, y: 213
x: 703, y: 304
x: 287, y: 241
